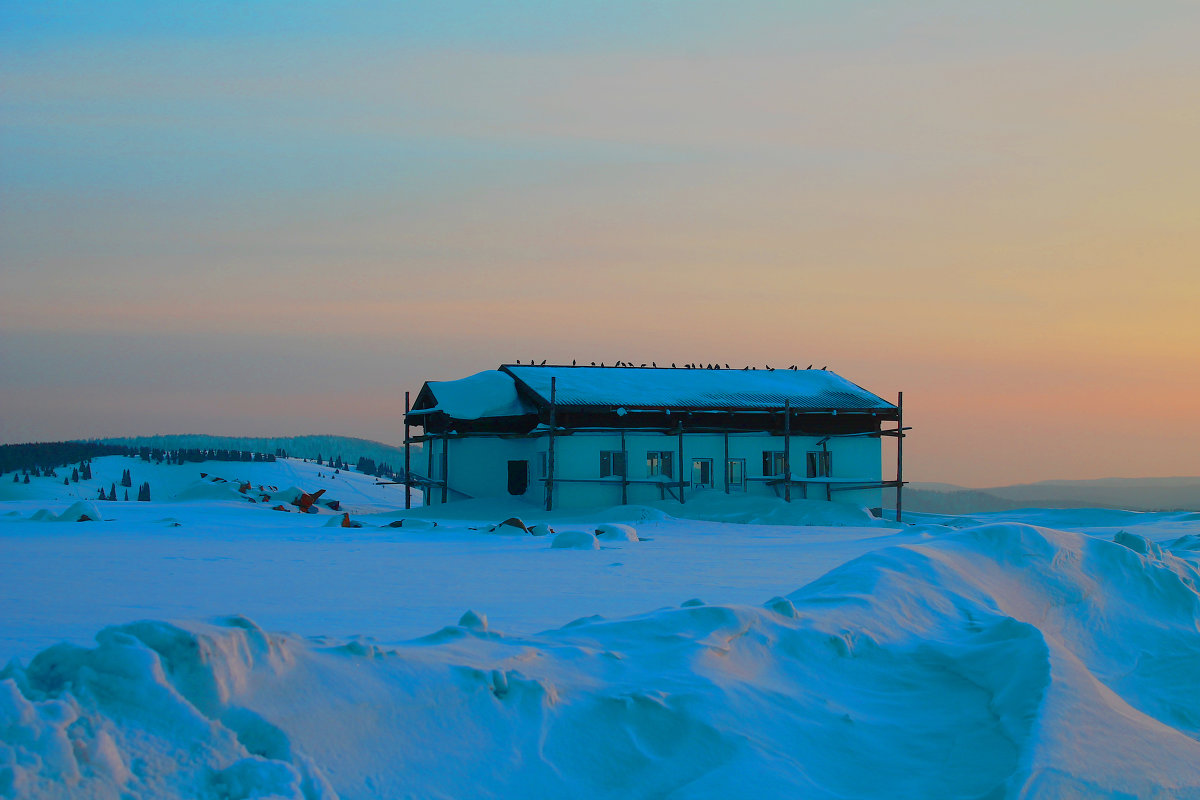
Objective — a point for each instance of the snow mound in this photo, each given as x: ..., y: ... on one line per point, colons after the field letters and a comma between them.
x: 78, y: 511
x: 1002, y: 660
x: 513, y: 526
x: 150, y: 710
x: 615, y: 532
x: 413, y: 523
x: 207, y: 490
x: 575, y: 540
x: 719, y: 507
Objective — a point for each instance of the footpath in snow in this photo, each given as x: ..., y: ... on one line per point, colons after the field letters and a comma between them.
x: 984, y: 657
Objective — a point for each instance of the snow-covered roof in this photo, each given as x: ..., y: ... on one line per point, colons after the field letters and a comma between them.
x: 491, y: 393
x: 643, y: 387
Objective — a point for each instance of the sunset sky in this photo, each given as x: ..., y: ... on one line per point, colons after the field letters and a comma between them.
x: 273, y: 218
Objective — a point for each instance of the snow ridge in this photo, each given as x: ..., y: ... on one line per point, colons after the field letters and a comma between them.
x: 1003, y: 660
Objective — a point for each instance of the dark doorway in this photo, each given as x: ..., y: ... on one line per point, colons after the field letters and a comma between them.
x: 518, y: 477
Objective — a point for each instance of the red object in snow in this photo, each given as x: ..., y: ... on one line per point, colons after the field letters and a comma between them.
x: 305, y: 500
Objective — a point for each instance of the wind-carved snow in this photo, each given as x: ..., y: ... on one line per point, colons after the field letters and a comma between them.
x: 1003, y: 660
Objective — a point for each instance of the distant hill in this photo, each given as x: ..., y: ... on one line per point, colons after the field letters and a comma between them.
x: 1133, y: 494
x: 310, y: 447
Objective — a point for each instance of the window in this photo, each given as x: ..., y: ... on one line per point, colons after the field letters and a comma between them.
x: 542, y: 461
x: 660, y: 462
x: 735, y: 473
x: 701, y: 472
x: 612, y: 462
x: 820, y: 463
x: 773, y: 463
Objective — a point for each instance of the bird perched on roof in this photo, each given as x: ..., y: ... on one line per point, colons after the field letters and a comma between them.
x: 593, y: 363
x: 572, y: 362
x: 518, y: 361
x: 809, y: 366
x: 673, y: 365
x: 654, y: 364
x: 543, y: 362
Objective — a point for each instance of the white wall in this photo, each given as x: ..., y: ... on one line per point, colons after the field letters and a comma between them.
x: 478, y: 466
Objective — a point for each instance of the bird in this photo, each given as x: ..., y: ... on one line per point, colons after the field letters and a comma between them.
x: 654, y: 364
x: 673, y: 365
x: 593, y: 363
x: 643, y: 365
x: 572, y: 362
x: 793, y: 366
x: 602, y: 363
x: 726, y: 366
x: 809, y: 366
x: 543, y: 362
x: 824, y: 367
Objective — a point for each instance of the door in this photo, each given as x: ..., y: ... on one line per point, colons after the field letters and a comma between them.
x: 518, y: 477
x: 702, y: 473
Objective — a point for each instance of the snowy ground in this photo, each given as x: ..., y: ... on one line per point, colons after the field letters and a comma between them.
x: 755, y: 650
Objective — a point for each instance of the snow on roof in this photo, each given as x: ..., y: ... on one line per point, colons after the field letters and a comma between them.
x: 485, y: 394
x: 641, y: 387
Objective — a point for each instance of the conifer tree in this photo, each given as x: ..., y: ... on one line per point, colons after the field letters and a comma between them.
x: 112, y: 491
x: 126, y: 478
x: 144, y: 492
x: 102, y: 496
x: 26, y: 478
x: 75, y: 476
x: 126, y: 495
x: 66, y: 481
x: 16, y: 478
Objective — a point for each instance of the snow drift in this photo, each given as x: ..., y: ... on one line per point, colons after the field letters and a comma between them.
x: 999, y: 661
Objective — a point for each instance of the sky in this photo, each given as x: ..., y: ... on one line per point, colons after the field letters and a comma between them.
x: 275, y: 218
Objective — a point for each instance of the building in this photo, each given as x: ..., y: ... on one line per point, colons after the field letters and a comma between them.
x: 583, y: 436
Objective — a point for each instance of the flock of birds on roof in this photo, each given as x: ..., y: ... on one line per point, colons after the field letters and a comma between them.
x: 654, y: 365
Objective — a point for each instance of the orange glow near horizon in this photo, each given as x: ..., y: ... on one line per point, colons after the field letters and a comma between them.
x: 993, y: 210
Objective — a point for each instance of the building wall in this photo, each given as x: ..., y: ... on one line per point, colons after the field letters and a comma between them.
x: 478, y: 467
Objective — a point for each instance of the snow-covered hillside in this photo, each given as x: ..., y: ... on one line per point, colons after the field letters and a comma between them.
x: 215, y: 647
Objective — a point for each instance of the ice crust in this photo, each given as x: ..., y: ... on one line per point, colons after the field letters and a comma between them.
x: 1002, y: 660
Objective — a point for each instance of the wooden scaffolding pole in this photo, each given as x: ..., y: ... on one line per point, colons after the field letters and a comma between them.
x: 826, y: 467
x: 407, y: 457
x: 550, y: 448
x: 787, y: 451
x: 624, y: 471
x: 445, y: 466
x: 727, y: 463
x: 680, y: 454
x: 427, y: 443
x: 899, y: 457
